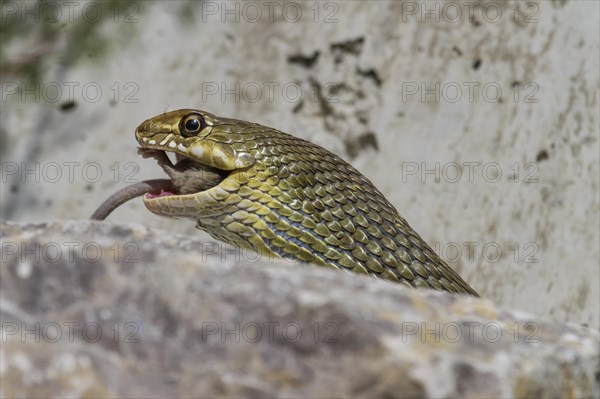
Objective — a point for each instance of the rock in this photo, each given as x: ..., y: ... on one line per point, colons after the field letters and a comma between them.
x: 92, y: 309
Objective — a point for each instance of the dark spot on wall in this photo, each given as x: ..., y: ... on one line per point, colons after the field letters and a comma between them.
x: 306, y: 61
x: 474, y: 21
x: 14, y: 188
x: 360, y: 143
x: 298, y: 107
x: 514, y: 84
x: 477, y: 64
x: 333, y: 89
x: 68, y: 106
x: 363, y: 117
x: 558, y: 4
x: 352, y: 47
x: 88, y: 187
x: 48, y: 203
x: 371, y: 74
x: 542, y: 156
x: 457, y: 51
x: 326, y: 108
x: 400, y: 114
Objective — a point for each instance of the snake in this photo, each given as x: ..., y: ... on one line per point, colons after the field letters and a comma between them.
x: 258, y: 188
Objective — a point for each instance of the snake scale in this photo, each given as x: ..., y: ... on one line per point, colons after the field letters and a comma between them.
x: 259, y: 188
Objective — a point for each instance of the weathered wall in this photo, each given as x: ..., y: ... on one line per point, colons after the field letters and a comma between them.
x: 398, y: 91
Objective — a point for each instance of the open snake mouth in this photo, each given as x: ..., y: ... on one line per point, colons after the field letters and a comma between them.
x: 186, y: 175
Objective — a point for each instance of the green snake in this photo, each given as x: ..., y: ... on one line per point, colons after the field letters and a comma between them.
x: 259, y: 188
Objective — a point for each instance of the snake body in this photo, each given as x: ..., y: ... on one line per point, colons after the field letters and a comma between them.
x: 283, y: 196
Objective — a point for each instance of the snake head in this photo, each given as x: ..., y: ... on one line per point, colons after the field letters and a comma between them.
x: 212, y: 155
x: 199, y: 136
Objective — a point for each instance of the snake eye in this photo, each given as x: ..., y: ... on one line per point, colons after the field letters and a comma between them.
x: 191, y: 125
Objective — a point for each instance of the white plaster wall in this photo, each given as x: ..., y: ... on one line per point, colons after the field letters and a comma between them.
x: 545, y: 218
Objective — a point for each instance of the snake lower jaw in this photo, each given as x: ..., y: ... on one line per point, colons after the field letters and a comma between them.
x: 189, y: 206
x: 192, y: 186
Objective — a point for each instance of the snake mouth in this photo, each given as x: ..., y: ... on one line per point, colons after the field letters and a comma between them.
x: 191, y: 185
x: 186, y: 176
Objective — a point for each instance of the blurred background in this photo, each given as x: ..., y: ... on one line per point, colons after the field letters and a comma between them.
x: 478, y: 120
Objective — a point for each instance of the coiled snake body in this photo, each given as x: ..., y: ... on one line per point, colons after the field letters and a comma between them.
x: 256, y: 187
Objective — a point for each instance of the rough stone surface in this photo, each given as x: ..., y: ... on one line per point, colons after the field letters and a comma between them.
x: 540, y: 133
x: 95, y: 309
